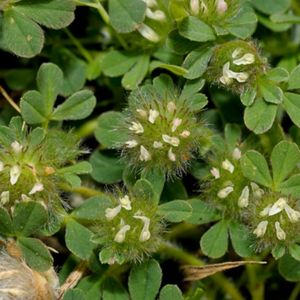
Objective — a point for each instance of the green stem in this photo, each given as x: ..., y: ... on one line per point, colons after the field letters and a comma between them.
x: 87, y: 129
x: 87, y: 56
x: 178, y: 253
x: 295, y: 292
x: 256, y: 288
x: 84, y: 191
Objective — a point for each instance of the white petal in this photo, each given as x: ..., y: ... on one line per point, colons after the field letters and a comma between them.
x: 215, y: 172
x: 174, y: 141
x: 150, y: 3
x: 228, y: 166
x: 157, y: 145
x: 223, y: 193
x: 148, y: 33
x: 176, y: 123
x: 171, y: 155
x: 153, y: 114
x: 4, y: 197
x: 247, y: 59
x: 221, y: 6
x: 244, y: 198
x: 17, y: 147
x: 15, y: 173
x: 1, y: 166
x: 121, y: 234
x: 136, y: 127
x: 194, y: 6
x: 236, y: 154
x: 257, y: 191
x: 145, y: 234
x: 171, y: 106
x: 110, y: 213
x: 261, y: 229
x: 38, y: 187
x: 131, y: 144
x: 279, y: 231
x: 125, y: 202
x: 157, y: 15
x: 144, y: 154
x: 278, y: 206
x: 265, y: 211
x: 142, y: 113
x: 185, y: 133
x: 292, y: 214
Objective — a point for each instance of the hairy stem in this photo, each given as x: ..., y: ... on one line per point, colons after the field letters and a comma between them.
x: 9, y: 99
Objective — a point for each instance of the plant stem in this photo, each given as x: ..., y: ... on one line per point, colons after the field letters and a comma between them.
x: 256, y: 288
x: 84, y: 191
x: 295, y: 292
x: 9, y: 99
x: 87, y: 129
x: 178, y: 253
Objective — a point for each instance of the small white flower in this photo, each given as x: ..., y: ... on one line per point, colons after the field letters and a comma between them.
x: 174, y: 141
x: 194, y: 6
x: 142, y: 113
x: 121, y: 234
x: 110, y: 213
x: 244, y: 198
x: 236, y: 154
x: 4, y: 197
x: 38, y: 187
x: 137, y: 127
x: 25, y: 198
x: 215, y: 172
x: 145, y: 234
x: 279, y: 231
x: 144, y: 154
x: 131, y: 144
x: 148, y: 33
x: 185, y: 134
x: 246, y: 59
x: 125, y: 202
x: 1, y: 166
x: 17, y: 147
x: 153, y: 114
x: 228, y: 166
x: 292, y: 214
x: 228, y: 75
x: 278, y: 206
x: 257, y: 191
x: 171, y: 155
x: 171, y: 106
x: 150, y: 3
x: 221, y: 6
x: 236, y: 52
x: 15, y: 173
x: 261, y: 229
x: 157, y: 144
x: 157, y: 15
x: 223, y: 193
x: 265, y: 211
x: 176, y: 123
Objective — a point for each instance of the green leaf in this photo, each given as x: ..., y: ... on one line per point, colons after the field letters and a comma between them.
x: 214, y: 242
x: 78, y: 239
x: 244, y: 24
x: 157, y: 180
x: 49, y: 81
x: 202, y: 213
x: 82, y: 167
x: 294, y: 251
x: 271, y: 7
x: 196, y: 62
x: 191, y: 88
x: 137, y: 73
x: 197, y: 102
x: 35, y: 253
x: 106, y: 168
x: 291, y: 186
x: 6, y: 225
x: 74, y: 294
x: 232, y: 134
x: 79, y: 106
x: 278, y: 251
x: 260, y: 116
x: 175, y: 211
x: 284, y: 158
x: 21, y: 35
x: 294, y: 82
x: 29, y: 217
x: 54, y: 14
x: 196, y: 30
x: 278, y: 74
x: 91, y: 285
x: 291, y: 103
x: 170, y: 292
x: 36, y: 136
x: 113, y: 290
x: 248, y: 96
x: 144, y: 190
x: 178, y: 44
x: 177, y: 70
x: 145, y: 280
x: 270, y: 92
x: 255, y: 168
x: 241, y: 239
x: 108, y: 131
x: 126, y: 15
x: 32, y: 108
x: 289, y: 268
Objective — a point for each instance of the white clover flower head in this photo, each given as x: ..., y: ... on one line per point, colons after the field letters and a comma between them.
x: 228, y: 166
x: 215, y: 172
x: 261, y: 229
x: 224, y: 193
x: 15, y: 173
